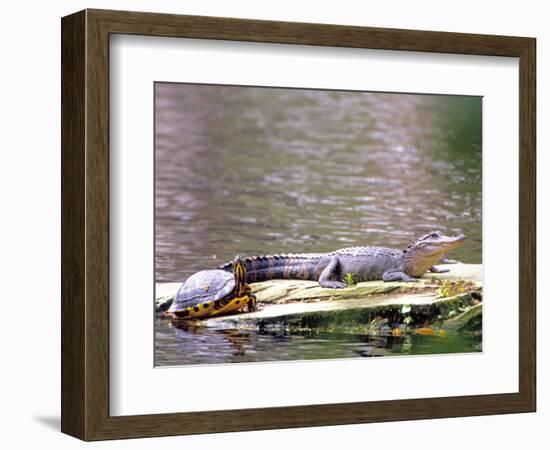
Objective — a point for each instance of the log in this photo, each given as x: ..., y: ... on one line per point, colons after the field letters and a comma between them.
x: 449, y: 300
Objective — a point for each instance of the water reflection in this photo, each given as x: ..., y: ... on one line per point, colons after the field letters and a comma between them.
x: 179, y: 343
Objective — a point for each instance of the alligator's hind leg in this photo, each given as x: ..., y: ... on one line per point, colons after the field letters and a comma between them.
x: 397, y: 276
x: 330, y: 274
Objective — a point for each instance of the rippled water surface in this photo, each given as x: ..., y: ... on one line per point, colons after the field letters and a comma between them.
x: 179, y: 344
x: 258, y: 171
x: 243, y: 170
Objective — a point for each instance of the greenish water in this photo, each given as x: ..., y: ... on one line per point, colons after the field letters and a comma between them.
x: 177, y: 345
x: 250, y: 171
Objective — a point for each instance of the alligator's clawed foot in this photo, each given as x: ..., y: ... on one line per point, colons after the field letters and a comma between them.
x: 398, y: 276
x: 333, y: 284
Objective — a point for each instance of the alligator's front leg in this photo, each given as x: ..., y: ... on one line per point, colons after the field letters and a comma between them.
x: 329, y: 273
x: 397, y: 275
x: 434, y: 269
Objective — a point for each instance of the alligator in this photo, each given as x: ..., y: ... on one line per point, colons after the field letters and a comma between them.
x: 363, y: 263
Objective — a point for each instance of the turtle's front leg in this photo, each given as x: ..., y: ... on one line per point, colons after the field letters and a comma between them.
x: 252, y: 304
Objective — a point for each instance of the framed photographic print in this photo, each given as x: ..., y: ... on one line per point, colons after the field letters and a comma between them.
x: 272, y: 224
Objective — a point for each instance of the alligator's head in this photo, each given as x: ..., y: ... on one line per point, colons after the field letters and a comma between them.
x: 428, y: 250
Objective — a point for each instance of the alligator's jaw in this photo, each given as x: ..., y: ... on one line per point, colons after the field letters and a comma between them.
x: 428, y: 250
x: 447, y: 244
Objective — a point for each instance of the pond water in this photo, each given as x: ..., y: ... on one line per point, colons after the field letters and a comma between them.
x: 178, y: 345
x: 249, y: 171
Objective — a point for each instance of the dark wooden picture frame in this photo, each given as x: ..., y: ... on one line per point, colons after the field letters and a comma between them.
x: 85, y: 224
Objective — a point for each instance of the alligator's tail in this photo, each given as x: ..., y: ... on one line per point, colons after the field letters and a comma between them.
x: 262, y: 268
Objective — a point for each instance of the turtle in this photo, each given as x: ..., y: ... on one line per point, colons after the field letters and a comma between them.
x: 210, y: 293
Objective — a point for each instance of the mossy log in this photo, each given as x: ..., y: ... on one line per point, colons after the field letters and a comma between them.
x: 299, y: 304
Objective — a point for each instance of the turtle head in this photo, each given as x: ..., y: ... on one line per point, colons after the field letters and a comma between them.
x: 239, y: 271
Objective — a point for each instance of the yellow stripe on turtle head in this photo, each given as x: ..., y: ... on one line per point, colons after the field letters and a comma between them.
x: 239, y: 270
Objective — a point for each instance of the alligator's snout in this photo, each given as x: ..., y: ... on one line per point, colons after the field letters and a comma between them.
x: 436, y: 243
x: 442, y: 248
x: 458, y: 240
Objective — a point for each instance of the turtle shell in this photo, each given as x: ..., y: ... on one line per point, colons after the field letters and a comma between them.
x: 203, y: 288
